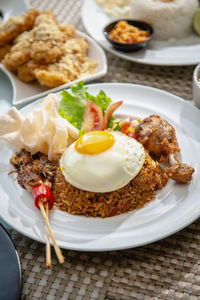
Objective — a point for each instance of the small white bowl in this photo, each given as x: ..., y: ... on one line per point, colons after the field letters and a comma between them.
x: 196, y: 86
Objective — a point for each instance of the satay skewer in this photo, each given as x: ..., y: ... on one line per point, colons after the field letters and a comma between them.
x: 43, y: 196
x: 60, y: 257
x: 48, y: 245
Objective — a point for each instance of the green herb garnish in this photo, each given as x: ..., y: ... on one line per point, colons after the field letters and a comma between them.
x: 72, y: 105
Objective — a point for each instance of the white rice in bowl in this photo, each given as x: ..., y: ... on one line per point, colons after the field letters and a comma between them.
x: 171, y: 19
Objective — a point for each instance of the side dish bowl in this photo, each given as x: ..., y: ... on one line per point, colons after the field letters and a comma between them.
x: 129, y: 47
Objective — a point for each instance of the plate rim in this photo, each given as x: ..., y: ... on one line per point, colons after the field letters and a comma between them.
x: 142, y: 243
x: 129, y: 58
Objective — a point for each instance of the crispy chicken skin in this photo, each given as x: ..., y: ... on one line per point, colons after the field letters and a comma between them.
x: 74, y: 61
x: 48, y: 52
x: 16, y: 25
x: 43, y: 44
x: 159, y: 138
x: 4, y: 50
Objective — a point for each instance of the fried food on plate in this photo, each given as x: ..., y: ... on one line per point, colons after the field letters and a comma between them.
x: 180, y: 172
x: 49, y: 52
x: 159, y: 137
x: 44, y: 43
x: 43, y: 130
x: 16, y: 25
x: 72, y: 65
x: 4, y: 50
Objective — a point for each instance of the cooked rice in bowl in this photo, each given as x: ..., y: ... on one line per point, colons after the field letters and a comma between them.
x: 134, y: 195
x: 169, y: 18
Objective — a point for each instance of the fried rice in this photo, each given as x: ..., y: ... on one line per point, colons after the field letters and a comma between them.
x: 134, y: 195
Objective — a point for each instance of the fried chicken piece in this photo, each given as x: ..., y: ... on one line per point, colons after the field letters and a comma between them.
x: 19, y: 53
x: 48, y: 38
x: 25, y: 72
x: 159, y: 137
x: 180, y: 172
x: 71, y: 66
x: 49, y: 53
x: 4, y: 50
x: 43, y: 44
x: 16, y: 25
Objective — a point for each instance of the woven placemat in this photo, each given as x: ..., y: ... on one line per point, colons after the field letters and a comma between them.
x: 168, y: 269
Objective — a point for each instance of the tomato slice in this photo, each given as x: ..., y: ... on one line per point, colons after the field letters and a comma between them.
x: 93, y: 117
x: 109, y: 113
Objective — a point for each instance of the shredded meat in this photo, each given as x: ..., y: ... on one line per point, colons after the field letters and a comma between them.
x: 33, y: 170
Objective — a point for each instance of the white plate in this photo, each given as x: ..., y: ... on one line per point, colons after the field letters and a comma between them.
x: 27, y: 92
x: 183, y: 52
x: 175, y: 207
x: 13, y: 7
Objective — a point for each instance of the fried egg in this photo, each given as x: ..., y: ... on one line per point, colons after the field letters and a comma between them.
x: 102, y: 161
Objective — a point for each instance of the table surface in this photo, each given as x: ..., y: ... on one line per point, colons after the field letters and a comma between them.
x: 168, y: 269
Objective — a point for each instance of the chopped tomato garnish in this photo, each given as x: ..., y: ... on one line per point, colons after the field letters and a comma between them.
x: 128, y: 129
x: 125, y: 127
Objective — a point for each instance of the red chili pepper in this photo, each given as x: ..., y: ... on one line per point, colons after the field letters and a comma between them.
x: 42, y: 193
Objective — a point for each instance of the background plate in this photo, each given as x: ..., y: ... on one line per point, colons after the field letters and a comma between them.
x: 175, y: 207
x: 27, y: 92
x: 180, y: 53
x: 13, y: 7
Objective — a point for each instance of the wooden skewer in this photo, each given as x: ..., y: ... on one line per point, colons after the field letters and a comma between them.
x: 48, y: 246
x: 60, y: 257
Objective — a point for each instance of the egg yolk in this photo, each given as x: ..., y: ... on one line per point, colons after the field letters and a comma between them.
x: 94, y: 142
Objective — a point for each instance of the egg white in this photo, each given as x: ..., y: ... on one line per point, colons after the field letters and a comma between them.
x: 107, y: 171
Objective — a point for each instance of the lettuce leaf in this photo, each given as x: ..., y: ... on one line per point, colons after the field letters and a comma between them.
x: 101, y: 100
x: 72, y: 105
